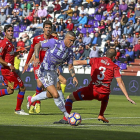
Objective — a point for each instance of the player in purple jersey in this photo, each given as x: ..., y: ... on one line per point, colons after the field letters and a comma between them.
x: 58, y: 52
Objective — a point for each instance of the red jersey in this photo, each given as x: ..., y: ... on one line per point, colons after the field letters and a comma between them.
x: 20, y: 44
x: 7, y: 52
x: 36, y: 40
x: 103, y: 70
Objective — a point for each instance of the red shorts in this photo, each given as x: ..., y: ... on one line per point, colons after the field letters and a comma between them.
x: 88, y: 93
x: 36, y: 71
x: 11, y: 79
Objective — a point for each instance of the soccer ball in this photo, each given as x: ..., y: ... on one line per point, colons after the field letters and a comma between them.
x: 74, y: 119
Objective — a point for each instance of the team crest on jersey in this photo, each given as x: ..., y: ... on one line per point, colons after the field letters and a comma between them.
x: 1, y: 49
x: 39, y: 37
x: 12, y: 52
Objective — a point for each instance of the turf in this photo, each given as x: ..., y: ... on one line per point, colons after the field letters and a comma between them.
x: 123, y: 116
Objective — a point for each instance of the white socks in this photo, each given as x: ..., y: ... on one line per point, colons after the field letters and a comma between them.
x: 61, y: 96
x: 59, y: 103
x: 40, y: 96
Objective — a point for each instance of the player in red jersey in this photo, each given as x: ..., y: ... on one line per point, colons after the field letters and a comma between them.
x: 103, y: 70
x: 11, y: 79
x: 47, y: 27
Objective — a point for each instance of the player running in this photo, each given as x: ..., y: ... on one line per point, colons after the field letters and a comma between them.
x: 58, y: 52
x: 47, y: 27
x: 102, y: 72
x: 11, y: 79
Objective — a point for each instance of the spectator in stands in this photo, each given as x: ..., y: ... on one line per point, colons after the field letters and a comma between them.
x: 16, y: 9
x: 15, y: 19
x: 135, y: 39
x: 57, y: 8
x: 110, y: 16
x: 123, y: 42
x: 70, y: 25
x: 116, y: 32
x: 82, y: 20
x: 117, y: 54
x: 117, y: 44
x: 20, y: 13
x: 87, y: 39
x: 20, y: 44
x: 27, y: 42
x: 75, y: 18
x: 130, y: 40
x: 103, y: 5
x: 101, y: 28
x: 94, y: 52
x: 42, y: 13
x: 95, y: 3
x: 107, y: 46
x: 130, y: 12
x: 64, y: 6
x: 79, y: 42
x: 110, y: 5
x: 21, y: 5
x: 35, y: 11
x: 131, y: 5
x: 61, y: 36
x: 25, y: 12
x: 30, y: 17
x: 13, y: 6
x: 129, y: 55
x: 86, y: 53
x: 123, y: 6
x: 69, y: 13
x: 109, y: 23
x: 76, y: 3
x: 124, y: 19
x: 137, y: 26
x: 36, y: 2
x: 99, y: 12
x: 61, y: 26
x: 137, y: 12
x: 2, y: 17
x: 78, y: 52
x: 116, y: 11
x: 76, y: 10
x: 116, y: 23
x: 129, y: 27
x: 108, y: 33
x: 63, y: 16
x: 96, y: 41
x: 14, y: 42
x: 83, y: 11
x: 54, y: 24
x: 8, y: 20
x: 3, y: 4
x: 8, y: 10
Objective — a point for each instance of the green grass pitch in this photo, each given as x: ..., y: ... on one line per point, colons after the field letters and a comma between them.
x: 124, y: 120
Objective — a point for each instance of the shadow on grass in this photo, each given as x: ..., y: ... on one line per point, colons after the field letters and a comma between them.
x: 54, y: 133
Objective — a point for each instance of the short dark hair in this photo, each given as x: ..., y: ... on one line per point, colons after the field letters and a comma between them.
x: 6, y: 27
x: 71, y: 33
x: 110, y: 53
x: 47, y: 22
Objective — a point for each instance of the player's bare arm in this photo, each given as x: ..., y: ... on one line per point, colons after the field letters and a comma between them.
x: 37, y: 48
x: 7, y: 64
x: 122, y: 87
x: 72, y: 72
x: 80, y: 62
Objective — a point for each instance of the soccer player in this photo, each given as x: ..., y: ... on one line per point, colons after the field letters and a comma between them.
x: 58, y: 52
x: 47, y: 27
x: 11, y: 79
x: 102, y: 72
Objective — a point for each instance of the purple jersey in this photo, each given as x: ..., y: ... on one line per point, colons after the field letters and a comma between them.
x: 56, y: 54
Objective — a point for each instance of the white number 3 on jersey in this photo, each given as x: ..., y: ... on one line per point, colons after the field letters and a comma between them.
x: 102, y: 71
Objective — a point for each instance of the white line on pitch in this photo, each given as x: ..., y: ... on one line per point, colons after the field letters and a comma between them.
x: 114, y: 118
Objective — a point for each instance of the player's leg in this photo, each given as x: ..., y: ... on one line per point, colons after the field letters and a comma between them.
x: 82, y: 94
x: 7, y: 91
x: 104, y: 102
x: 63, y: 82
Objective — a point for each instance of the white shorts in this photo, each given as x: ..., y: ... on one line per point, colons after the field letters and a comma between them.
x: 48, y: 77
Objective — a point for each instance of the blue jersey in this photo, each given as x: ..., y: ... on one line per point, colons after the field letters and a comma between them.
x: 56, y: 54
